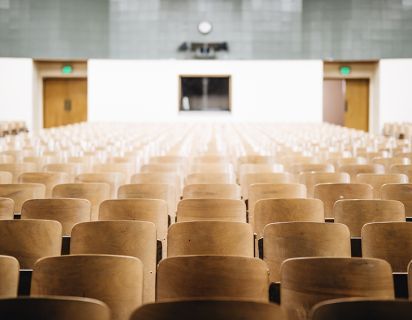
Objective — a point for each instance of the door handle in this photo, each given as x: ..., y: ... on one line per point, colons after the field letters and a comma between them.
x: 67, y: 105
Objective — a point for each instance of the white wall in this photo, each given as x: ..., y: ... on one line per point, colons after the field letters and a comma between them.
x: 139, y: 90
x: 16, y: 90
x: 395, y: 90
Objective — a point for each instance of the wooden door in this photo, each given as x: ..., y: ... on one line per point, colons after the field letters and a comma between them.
x: 357, y: 104
x: 65, y: 101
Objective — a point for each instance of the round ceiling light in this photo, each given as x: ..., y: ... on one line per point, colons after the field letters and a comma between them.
x: 205, y: 27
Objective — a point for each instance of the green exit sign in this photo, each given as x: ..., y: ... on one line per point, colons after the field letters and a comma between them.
x: 67, y: 69
x: 345, y: 70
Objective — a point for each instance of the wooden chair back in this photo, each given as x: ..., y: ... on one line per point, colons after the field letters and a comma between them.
x: 6, y: 177
x: 210, y: 178
x: 126, y: 168
x: 356, y: 213
x: 128, y: 238
x: 405, y: 169
x: 67, y: 211
x: 54, y: 308
x: 30, y: 240
x: 311, y: 167
x: 113, y: 179
x: 286, y: 210
x: 48, y: 179
x: 354, y: 169
x: 401, y: 192
x: 308, y: 281
x: 310, y: 179
x: 6, y: 209
x: 329, y: 193
x: 115, y: 280
x: 16, y: 169
x: 213, y: 277
x: 210, y: 238
x: 211, y: 191
x: 361, y: 309
x: 285, y: 240
x: 21, y: 192
x: 96, y: 193
x: 266, y: 177
x: 378, y: 180
x: 9, y: 271
x: 390, y: 241
x: 211, y: 209
x: 159, y: 177
x: 209, y: 309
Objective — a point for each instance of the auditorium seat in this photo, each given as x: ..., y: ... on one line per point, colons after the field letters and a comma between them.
x: 362, y: 309
x: 115, y: 280
x: 48, y: 179
x: 356, y: 213
x: 354, y: 169
x: 405, y: 169
x: 310, y: 179
x: 308, y: 281
x: 67, y: 211
x: 211, y: 191
x: 21, y: 192
x: 389, y: 162
x: 30, y: 240
x: 209, y: 309
x: 310, y: 167
x: 263, y: 177
x: 6, y: 209
x: 170, y: 178
x: 211, y: 209
x: 378, y: 180
x: 16, y: 169
x: 285, y: 240
x: 113, y: 179
x: 286, y: 210
x: 211, y: 168
x: 210, y: 238
x: 96, y: 193
x: 53, y: 308
x: 6, y: 177
x: 401, y: 192
x: 210, y: 178
x: 390, y: 241
x: 259, y: 191
x: 126, y: 168
x: 212, y: 277
x: 160, y: 191
x: 128, y: 238
x: 71, y: 169
x: 329, y: 193
x: 9, y: 275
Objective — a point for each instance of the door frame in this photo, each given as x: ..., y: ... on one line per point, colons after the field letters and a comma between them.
x: 43, y: 69
x: 53, y: 78
x: 359, y: 70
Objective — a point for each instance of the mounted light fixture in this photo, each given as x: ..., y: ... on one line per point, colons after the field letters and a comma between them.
x: 205, y: 27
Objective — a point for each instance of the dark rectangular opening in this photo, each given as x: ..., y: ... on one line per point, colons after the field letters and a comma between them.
x: 204, y: 93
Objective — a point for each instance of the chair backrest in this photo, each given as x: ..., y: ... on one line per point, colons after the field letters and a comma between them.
x: 211, y: 209
x: 388, y: 162
x: 30, y: 240
x: 16, y: 169
x: 259, y: 191
x: 402, y: 168
x: 170, y: 178
x: 9, y: 271
x: 128, y: 238
x: 162, y: 167
x: 6, y: 209
x: 209, y: 309
x: 286, y: 210
x: 390, y: 241
x: 48, y: 179
x: 311, y: 167
x: 71, y: 169
x: 213, y: 277
x: 126, y: 168
x: 265, y: 177
x: 211, y: 191
x: 67, y: 211
x: 211, y: 168
x: 255, y: 159
x: 329, y: 193
x: 115, y: 280
x: 21, y: 192
x: 6, y: 177
x: 401, y: 192
x: 258, y: 168
x: 378, y: 180
x: 356, y: 213
x: 308, y: 281
x: 210, y: 238
x: 310, y: 179
x: 54, y: 308
x: 287, y: 240
x: 96, y: 193
x: 210, y: 178
x: 152, y: 210
x: 354, y: 169
x: 361, y: 309
x: 113, y: 179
